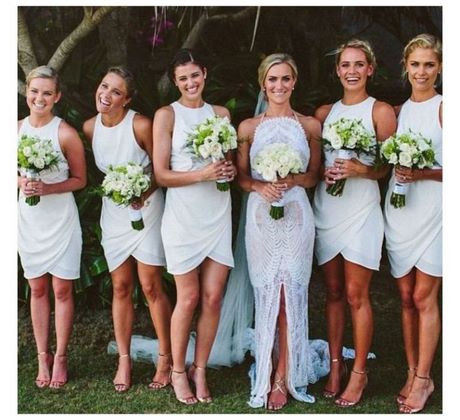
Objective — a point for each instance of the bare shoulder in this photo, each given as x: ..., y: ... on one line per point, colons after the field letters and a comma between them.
x: 221, y: 111
x: 164, y: 113
x: 309, y: 123
x: 88, y: 127
x: 67, y: 132
x: 322, y: 112
x: 142, y: 122
x: 248, y: 126
x: 384, y: 108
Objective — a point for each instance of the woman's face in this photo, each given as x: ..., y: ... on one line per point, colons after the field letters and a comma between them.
x: 423, y: 67
x: 279, y: 83
x: 41, y: 95
x: 111, y: 94
x: 190, y: 80
x: 353, y: 69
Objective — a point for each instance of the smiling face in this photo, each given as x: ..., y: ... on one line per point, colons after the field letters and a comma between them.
x: 41, y: 95
x: 190, y: 80
x: 279, y: 83
x: 423, y: 67
x: 353, y: 69
x: 111, y: 94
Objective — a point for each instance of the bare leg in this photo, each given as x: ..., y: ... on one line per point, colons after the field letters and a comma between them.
x: 160, y: 309
x: 188, y: 292
x: 335, y: 316
x: 123, y: 318
x: 409, y: 319
x: 213, y: 277
x: 278, y: 395
x: 357, y: 282
x: 64, y: 310
x: 40, y: 314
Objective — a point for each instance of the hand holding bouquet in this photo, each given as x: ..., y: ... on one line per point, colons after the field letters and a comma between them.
x: 410, y: 150
x: 350, y: 138
x: 124, y: 184
x: 277, y: 159
x: 35, y: 155
x: 212, y: 139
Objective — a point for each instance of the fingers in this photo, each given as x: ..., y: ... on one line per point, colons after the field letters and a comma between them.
x: 32, y: 188
x: 224, y: 170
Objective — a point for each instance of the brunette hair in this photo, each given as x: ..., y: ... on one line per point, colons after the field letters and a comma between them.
x: 184, y: 56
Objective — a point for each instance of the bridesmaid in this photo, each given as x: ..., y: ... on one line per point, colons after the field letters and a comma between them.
x: 49, y: 236
x: 349, y: 229
x: 120, y: 135
x: 196, y: 227
x: 414, y: 233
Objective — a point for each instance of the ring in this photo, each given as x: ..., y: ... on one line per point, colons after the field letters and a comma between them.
x: 404, y: 177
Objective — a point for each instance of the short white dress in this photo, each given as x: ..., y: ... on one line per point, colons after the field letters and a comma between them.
x: 197, y: 220
x: 413, y: 233
x: 351, y: 225
x: 280, y: 254
x: 114, y: 146
x: 49, y: 233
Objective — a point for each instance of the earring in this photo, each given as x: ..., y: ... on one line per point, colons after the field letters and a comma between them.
x: 292, y: 88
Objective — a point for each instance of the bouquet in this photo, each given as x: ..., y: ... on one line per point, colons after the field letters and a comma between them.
x: 410, y: 150
x: 277, y: 159
x: 35, y: 155
x: 124, y: 184
x: 350, y: 138
x: 211, y: 139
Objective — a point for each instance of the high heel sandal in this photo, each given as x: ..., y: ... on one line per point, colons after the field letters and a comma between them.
x: 343, y: 402
x: 59, y: 384
x: 122, y: 386
x: 43, y: 383
x: 156, y: 385
x: 278, y: 385
x: 207, y: 398
x: 343, y: 374
x: 429, y: 388
x: 400, y: 398
x: 190, y: 400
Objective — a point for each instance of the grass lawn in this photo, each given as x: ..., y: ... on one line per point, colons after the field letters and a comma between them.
x: 91, y: 370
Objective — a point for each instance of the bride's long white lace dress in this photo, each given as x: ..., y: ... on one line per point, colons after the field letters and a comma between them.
x: 280, y: 256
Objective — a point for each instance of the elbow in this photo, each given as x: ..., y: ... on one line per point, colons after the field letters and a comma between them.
x: 160, y: 180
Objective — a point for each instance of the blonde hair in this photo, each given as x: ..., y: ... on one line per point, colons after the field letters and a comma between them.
x: 272, y: 59
x: 44, y: 72
x: 426, y: 41
x: 360, y: 44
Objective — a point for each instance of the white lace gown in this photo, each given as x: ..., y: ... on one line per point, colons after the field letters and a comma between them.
x: 49, y: 234
x: 197, y: 220
x: 351, y: 225
x: 279, y: 254
x: 413, y: 233
x: 117, y: 146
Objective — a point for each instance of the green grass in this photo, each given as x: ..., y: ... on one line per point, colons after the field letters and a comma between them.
x: 91, y: 370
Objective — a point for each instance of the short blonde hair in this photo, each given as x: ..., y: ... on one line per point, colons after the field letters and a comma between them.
x: 44, y: 72
x: 360, y: 44
x: 426, y: 41
x: 272, y: 59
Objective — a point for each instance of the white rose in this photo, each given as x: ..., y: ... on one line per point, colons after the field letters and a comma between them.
x: 405, y: 159
x: 39, y: 163
x: 216, y: 151
x: 393, y: 159
x: 204, y: 150
x: 27, y: 151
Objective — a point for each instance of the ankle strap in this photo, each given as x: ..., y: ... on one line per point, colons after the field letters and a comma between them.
x: 164, y: 355
x: 123, y: 355
x: 426, y: 378
x: 178, y: 372
x: 198, y: 367
x: 364, y: 372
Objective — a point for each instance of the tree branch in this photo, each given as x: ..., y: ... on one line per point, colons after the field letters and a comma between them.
x: 26, y: 56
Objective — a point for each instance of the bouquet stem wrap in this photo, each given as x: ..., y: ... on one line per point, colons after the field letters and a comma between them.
x: 398, y: 196
x: 135, y: 215
x: 277, y: 209
x: 336, y: 189
x: 32, y: 176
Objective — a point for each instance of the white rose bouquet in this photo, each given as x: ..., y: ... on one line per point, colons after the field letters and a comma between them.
x: 35, y: 155
x: 211, y: 140
x: 410, y: 150
x: 277, y: 159
x: 124, y: 184
x: 350, y: 138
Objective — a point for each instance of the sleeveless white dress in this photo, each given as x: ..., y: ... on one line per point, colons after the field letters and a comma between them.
x: 351, y: 225
x: 197, y: 219
x: 280, y: 253
x: 413, y: 233
x: 117, y: 146
x: 49, y: 234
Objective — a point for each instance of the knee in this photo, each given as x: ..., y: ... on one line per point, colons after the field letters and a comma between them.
x: 189, y: 302
x: 356, y: 299
x: 407, y: 300
x: 423, y: 302
x: 212, y: 301
x: 63, y: 293
x: 122, y: 290
x: 334, y: 294
x: 151, y: 292
x: 38, y: 291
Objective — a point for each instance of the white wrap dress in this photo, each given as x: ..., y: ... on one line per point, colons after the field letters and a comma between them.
x: 197, y: 220
x: 279, y: 254
x: 413, y: 233
x: 114, y: 146
x: 49, y: 233
x: 351, y: 225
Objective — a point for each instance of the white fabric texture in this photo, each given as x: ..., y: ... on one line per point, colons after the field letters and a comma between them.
x: 114, y: 146
x: 197, y: 219
x: 279, y: 254
x: 413, y: 233
x: 49, y: 233
x: 351, y: 225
